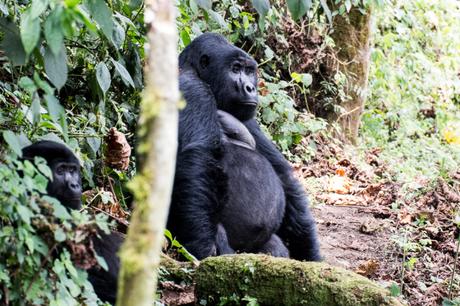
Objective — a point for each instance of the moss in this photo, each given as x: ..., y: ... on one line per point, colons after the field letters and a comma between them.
x: 279, y: 281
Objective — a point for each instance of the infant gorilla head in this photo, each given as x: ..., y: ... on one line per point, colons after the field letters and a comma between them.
x: 66, y: 183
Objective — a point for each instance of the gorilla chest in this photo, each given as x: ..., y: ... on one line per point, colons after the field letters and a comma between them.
x: 255, y: 202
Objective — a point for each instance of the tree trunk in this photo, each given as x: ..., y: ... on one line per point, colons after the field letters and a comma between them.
x: 281, y: 281
x: 152, y: 186
x: 352, y: 35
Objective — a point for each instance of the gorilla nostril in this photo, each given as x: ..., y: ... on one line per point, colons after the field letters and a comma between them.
x: 249, y: 88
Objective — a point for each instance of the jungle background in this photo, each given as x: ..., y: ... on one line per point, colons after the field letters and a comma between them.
x: 386, y: 196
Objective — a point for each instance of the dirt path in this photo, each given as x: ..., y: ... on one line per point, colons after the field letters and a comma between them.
x: 351, y: 237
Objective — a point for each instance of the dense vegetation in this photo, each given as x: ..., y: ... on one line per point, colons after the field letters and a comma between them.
x: 71, y: 70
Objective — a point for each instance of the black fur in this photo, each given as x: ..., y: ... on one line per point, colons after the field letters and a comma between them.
x: 230, y: 197
x: 64, y: 188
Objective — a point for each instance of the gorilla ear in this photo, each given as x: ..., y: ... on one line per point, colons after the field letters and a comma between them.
x: 204, y: 61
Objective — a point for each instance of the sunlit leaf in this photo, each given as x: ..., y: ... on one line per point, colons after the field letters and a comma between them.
x: 13, y: 142
x: 103, y: 76
x: 30, y: 31
x: 261, y: 6
x: 298, y: 8
x: 123, y: 72
x: 56, y: 67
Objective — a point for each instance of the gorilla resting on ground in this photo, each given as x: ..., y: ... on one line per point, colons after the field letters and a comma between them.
x: 66, y: 187
x: 233, y: 190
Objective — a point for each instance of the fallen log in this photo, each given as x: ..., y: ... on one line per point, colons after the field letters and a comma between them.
x: 280, y: 281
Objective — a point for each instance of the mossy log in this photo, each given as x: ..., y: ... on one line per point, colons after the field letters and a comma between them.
x: 281, y: 281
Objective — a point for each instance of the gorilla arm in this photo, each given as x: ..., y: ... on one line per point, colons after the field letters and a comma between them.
x: 199, y: 179
x: 298, y: 230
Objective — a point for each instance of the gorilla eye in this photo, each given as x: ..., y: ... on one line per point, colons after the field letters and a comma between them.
x: 60, y: 170
x: 236, y: 68
x: 250, y: 70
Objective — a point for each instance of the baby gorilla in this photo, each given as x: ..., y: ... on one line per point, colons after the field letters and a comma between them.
x: 66, y: 187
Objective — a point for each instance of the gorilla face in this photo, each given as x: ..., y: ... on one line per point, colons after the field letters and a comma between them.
x: 229, y: 71
x: 66, y: 184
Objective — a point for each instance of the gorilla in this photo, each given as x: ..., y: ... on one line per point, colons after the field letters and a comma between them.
x: 66, y: 187
x: 233, y: 190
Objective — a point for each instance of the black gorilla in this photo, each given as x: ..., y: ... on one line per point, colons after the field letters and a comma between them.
x: 66, y: 187
x: 229, y: 195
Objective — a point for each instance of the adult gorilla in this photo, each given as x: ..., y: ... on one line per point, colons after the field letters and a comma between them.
x: 230, y: 197
x: 66, y: 187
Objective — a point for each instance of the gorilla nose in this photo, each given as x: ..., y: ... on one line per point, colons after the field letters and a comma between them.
x: 75, y: 187
x: 249, y: 88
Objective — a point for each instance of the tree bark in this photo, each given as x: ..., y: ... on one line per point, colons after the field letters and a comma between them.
x: 152, y: 186
x: 352, y: 37
x: 281, y: 281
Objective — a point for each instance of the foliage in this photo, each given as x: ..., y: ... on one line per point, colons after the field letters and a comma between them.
x: 41, y: 243
x: 413, y: 110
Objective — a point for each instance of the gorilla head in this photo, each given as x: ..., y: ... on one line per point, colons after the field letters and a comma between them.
x: 66, y: 183
x: 229, y: 71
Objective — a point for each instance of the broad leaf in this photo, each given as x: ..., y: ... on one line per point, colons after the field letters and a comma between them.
x: 103, y: 76
x: 11, y: 43
x: 261, y: 6
x: 54, y: 108
x: 103, y: 16
x: 30, y: 31
x: 118, y: 35
x: 13, y: 142
x: 219, y: 19
x: 298, y: 8
x: 205, y: 4
x: 53, y: 30
x: 56, y: 67
x: 126, y: 77
x: 38, y: 7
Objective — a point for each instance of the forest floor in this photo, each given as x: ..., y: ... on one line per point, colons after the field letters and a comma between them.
x: 399, y: 236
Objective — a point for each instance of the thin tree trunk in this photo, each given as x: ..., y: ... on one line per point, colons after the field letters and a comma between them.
x: 352, y: 36
x: 152, y: 186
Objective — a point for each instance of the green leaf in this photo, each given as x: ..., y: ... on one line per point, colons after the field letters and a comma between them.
x: 35, y: 107
x: 126, y: 77
x: 102, y: 15
x: 24, y: 213
x: 118, y: 35
x: 27, y: 84
x: 93, y: 142
x: 11, y: 43
x: 101, y: 262
x: 38, y: 7
x: 298, y: 8
x: 30, y: 31
x: 59, y: 235
x: 326, y: 9
x: 56, y: 67
x: 53, y: 30
x: 204, y: 4
x: 59, y: 210
x: 43, y: 167
x: 395, y: 290
x: 71, y: 3
x: 261, y: 6
x: 185, y: 38
x: 13, y: 142
x: 54, y: 108
x: 219, y: 19
x: 103, y: 76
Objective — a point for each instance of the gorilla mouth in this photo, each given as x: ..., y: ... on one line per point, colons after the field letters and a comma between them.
x: 249, y: 102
